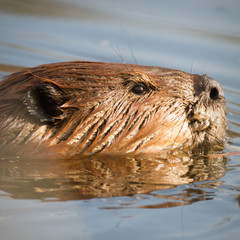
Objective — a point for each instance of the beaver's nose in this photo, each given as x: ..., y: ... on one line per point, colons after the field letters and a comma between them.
x: 213, y: 88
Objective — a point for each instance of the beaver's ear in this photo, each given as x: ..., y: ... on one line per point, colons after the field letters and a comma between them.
x: 43, y: 101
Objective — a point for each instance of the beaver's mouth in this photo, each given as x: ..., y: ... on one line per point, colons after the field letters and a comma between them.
x: 204, y: 130
x: 200, y: 125
x: 198, y: 121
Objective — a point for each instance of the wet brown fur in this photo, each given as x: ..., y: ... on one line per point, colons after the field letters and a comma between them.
x: 100, y: 113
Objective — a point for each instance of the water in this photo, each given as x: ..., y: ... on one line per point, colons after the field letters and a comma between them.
x: 124, y: 198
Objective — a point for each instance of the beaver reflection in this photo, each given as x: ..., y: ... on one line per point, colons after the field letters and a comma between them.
x: 92, y: 107
x: 96, y: 176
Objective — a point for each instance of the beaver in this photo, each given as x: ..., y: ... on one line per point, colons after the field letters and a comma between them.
x: 86, y: 107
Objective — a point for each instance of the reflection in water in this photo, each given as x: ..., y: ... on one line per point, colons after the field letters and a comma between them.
x: 176, y: 34
x: 46, y: 8
x: 109, y: 176
x: 9, y: 68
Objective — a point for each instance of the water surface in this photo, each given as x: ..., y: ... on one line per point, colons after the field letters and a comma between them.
x: 185, y: 197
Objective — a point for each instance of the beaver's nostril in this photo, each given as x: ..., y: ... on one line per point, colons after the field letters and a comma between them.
x: 214, y: 93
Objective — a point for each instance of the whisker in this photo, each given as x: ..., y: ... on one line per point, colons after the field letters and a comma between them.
x: 118, y: 53
x: 220, y: 141
x: 130, y: 46
x: 178, y: 132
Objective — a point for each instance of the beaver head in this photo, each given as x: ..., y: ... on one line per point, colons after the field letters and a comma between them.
x: 90, y: 107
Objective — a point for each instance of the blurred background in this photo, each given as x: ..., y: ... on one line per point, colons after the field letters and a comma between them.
x: 124, y: 198
x: 194, y: 36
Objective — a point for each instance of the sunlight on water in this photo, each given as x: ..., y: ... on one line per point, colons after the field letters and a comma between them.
x: 124, y: 197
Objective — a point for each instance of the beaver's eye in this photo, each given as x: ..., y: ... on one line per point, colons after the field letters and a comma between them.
x: 139, y: 89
